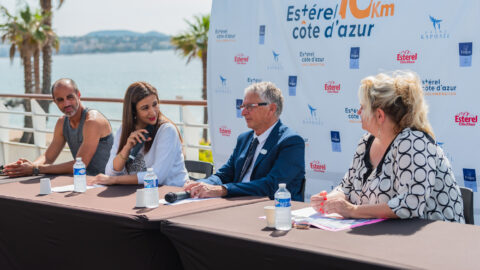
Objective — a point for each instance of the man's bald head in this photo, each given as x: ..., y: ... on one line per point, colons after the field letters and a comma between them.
x: 64, y: 82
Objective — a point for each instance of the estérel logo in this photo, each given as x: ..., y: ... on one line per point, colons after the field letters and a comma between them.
x: 406, y: 57
x: 316, y: 166
x: 435, y: 87
x: 251, y: 80
x: 466, y: 119
x: 241, y: 59
x: 222, y: 35
x: 309, y: 59
x: 225, y: 131
x: 352, y: 115
x: 331, y: 87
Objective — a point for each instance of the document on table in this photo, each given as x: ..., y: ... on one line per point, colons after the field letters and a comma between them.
x: 70, y: 188
x: 189, y: 200
x: 329, y: 222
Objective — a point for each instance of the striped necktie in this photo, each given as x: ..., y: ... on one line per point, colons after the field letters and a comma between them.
x: 249, y: 158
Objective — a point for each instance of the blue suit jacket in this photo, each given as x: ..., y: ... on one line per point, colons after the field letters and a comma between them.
x: 283, y: 162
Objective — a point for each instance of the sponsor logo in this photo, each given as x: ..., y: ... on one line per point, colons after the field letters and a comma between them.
x: 241, y: 59
x: 276, y: 64
x: 239, y: 102
x: 435, y: 87
x: 466, y: 119
x: 309, y: 59
x: 312, y: 118
x: 406, y: 57
x: 222, y: 85
x: 251, y: 80
x: 355, y: 58
x: 316, y: 21
x: 470, y: 178
x: 222, y: 35
x: 465, y: 51
x: 261, y: 35
x: 352, y: 115
x: 435, y: 30
x: 331, y: 87
x: 335, y: 138
x: 292, y: 85
x: 316, y: 166
x: 225, y: 131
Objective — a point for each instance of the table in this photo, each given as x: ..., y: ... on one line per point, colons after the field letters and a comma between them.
x: 237, y: 239
x: 100, y: 228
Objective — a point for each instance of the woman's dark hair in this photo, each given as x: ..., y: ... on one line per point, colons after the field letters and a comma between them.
x: 136, y: 92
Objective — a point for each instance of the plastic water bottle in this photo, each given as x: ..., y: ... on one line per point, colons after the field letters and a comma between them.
x: 79, y: 176
x: 150, y: 185
x: 283, y: 216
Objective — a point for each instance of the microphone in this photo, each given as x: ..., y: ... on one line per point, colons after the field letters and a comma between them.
x: 134, y: 151
x: 172, y: 197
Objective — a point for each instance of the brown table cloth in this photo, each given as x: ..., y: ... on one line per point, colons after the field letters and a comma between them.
x: 100, y: 228
x: 236, y: 238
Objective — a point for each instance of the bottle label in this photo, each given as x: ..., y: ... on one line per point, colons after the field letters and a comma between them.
x: 79, y: 171
x: 282, y: 202
x: 150, y: 183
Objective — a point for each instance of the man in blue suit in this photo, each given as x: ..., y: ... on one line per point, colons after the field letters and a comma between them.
x: 269, y: 154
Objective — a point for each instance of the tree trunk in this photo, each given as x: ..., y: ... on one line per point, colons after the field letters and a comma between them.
x: 204, y: 92
x: 36, y: 70
x: 47, y: 57
x: 27, y: 137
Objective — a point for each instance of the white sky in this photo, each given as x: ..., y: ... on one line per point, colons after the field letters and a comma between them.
x: 79, y: 17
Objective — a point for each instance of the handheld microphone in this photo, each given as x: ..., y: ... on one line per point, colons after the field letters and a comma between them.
x: 134, y: 151
x: 172, y: 197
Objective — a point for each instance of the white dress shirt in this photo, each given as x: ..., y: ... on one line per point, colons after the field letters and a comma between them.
x: 262, y: 138
x: 165, y: 157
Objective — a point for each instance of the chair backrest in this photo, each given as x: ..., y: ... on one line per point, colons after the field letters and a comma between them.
x: 302, y: 190
x: 467, y: 195
x: 195, y: 166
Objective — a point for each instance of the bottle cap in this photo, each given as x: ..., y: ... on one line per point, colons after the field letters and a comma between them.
x: 150, y: 170
x: 79, y: 158
x: 282, y: 185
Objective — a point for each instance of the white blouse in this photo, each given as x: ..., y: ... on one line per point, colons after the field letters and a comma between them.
x: 414, y: 178
x: 165, y: 157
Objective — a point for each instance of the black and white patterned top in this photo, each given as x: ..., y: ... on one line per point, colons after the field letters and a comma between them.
x: 414, y: 178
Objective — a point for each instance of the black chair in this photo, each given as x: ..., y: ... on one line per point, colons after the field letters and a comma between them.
x: 467, y: 195
x: 195, y: 166
x: 302, y: 189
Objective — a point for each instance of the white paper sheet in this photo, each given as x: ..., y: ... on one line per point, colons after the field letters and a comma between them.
x: 69, y: 188
x: 190, y: 200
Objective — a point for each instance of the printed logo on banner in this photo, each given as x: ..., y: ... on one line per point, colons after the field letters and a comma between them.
x: 332, y: 87
x: 435, y: 30
x: 239, y: 103
x: 317, y: 166
x: 261, y: 35
x: 352, y: 115
x: 292, y: 85
x: 470, y: 179
x: 312, y: 118
x: 406, y: 57
x: 435, y: 87
x: 354, y: 57
x: 466, y: 119
x: 276, y: 64
x: 222, y: 35
x: 465, y: 50
x: 251, y: 80
x: 222, y: 86
x: 335, y: 137
x: 225, y: 131
x: 321, y: 21
x: 308, y: 59
x: 241, y: 59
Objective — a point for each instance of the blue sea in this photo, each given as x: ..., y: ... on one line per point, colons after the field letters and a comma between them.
x: 109, y: 75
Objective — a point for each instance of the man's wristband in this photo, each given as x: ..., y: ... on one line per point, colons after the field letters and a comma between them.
x: 36, y: 170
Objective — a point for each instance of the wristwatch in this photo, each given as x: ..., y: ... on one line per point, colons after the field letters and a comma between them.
x: 36, y: 170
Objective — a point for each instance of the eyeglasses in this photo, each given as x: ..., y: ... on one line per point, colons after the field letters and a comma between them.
x: 250, y: 107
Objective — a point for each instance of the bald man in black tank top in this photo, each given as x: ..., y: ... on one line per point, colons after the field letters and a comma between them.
x: 87, y: 132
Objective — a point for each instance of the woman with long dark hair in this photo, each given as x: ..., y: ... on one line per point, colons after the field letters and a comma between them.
x: 162, y: 150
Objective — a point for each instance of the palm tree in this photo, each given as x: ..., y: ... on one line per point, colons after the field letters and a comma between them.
x: 193, y: 43
x: 26, y: 34
x: 52, y: 42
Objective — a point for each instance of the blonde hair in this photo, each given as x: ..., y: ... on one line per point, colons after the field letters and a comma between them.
x: 399, y: 94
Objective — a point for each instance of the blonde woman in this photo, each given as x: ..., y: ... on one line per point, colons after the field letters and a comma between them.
x: 398, y: 170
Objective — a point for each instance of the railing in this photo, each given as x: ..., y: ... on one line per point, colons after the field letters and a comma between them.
x: 191, y: 129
